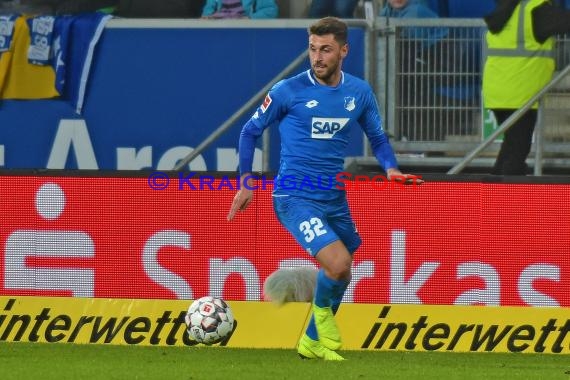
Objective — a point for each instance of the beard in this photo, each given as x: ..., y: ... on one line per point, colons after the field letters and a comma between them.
x: 323, y: 72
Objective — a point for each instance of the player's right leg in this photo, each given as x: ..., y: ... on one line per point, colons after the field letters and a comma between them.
x: 331, y: 282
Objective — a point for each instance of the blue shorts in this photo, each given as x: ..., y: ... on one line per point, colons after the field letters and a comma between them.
x: 316, y: 224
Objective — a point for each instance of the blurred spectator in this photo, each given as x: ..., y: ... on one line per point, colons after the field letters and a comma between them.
x: 24, y: 6
x: 414, y: 9
x: 62, y: 6
x: 254, y: 9
x: 160, y: 8
x: 336, y: 8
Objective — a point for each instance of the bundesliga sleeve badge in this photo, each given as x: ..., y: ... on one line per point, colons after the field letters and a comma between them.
x: 266, y: 103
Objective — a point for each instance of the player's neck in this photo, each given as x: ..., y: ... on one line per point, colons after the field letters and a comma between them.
x: 332, y: 81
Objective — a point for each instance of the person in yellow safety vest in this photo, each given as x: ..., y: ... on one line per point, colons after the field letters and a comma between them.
x: 519, y: 63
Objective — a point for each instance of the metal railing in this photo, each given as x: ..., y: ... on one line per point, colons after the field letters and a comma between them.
x: 431, y: 83
x: 431, y: 93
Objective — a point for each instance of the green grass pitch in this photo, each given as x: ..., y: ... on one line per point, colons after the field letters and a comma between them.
x: 71, y: 361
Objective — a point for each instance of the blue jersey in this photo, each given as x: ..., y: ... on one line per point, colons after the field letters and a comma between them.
x: 314, y: 124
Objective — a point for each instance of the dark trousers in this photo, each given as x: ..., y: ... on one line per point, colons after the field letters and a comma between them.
x: 516, y: 143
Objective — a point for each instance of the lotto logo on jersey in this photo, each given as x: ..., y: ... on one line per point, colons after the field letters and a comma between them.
x: 326, y: 128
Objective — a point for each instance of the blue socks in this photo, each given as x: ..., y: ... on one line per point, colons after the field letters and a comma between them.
x: 328, y: 293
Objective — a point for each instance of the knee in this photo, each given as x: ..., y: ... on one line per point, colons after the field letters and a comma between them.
x: 340, y: 270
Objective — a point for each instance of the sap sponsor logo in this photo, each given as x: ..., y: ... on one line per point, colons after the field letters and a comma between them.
x: 326, y: 128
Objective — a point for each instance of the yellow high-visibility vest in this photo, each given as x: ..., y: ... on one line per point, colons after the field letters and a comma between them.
x: 517, y: 67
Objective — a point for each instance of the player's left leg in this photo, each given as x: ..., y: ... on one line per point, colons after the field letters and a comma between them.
x: 312, y: 349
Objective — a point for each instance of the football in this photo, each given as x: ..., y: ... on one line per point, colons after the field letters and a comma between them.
x: 209, y: 320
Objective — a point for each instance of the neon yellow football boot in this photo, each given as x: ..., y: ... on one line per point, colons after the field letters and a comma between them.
x: 329, y: 336
x: 312, y: 349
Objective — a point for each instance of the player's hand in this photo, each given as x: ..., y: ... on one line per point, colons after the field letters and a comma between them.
x: 406, y: 179
x: 242, y: 199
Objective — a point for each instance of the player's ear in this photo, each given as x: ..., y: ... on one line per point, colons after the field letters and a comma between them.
x: 344, y: 51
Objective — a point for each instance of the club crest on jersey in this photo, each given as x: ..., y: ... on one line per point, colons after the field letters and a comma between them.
x: 327, y: 127
x: 266, y: 102
x: 349, y: 103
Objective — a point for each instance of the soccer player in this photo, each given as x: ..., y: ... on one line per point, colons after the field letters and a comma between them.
x: 316, y: 110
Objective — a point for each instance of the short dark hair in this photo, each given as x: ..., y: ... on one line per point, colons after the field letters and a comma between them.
x: 331, y: 25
